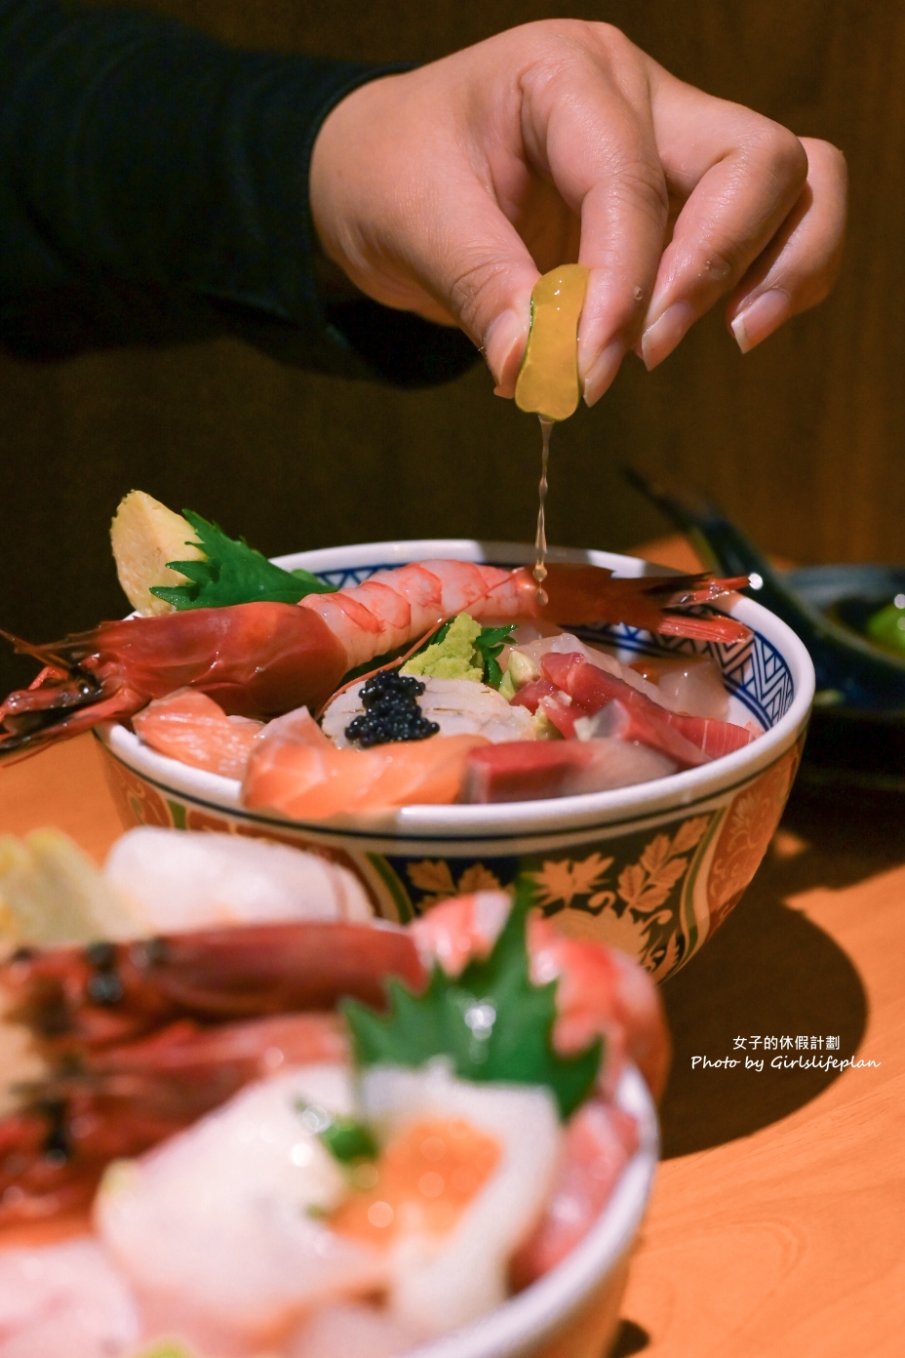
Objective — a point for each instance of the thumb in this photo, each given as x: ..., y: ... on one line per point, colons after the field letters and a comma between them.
x: 482, y: 272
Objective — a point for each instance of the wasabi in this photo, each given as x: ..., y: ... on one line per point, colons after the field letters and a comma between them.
x: 454, y: 655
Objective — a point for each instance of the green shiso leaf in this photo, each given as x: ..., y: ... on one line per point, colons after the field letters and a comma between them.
x: 489, y: 644
x: 231, y: 572
x: 491, y: 1022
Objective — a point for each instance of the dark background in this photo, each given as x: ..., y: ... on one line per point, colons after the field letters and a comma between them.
x: 800, y: 440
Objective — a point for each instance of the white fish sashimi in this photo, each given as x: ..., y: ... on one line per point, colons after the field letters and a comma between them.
x: 220, y: 1230
x: 442, y: 1282
x: 64, y: 1301
x: 188, y: 879
x: 458, y: 706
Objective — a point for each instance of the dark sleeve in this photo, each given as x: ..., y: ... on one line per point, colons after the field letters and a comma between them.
x: 154, y: 188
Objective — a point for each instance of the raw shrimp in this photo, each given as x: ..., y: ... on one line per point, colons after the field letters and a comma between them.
x: 239, y: 1231
x: 296, y: 770
x: 115, y: 1023
x: 261, y: 659
x: 85, y: 999
x: 100, y: 1106
x: 600, y: 990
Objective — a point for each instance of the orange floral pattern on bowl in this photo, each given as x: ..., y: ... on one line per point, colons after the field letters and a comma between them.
x: 656, y: 891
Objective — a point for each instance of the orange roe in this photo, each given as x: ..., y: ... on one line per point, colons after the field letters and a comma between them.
x: 650, y: 669
x: 423, y: 1181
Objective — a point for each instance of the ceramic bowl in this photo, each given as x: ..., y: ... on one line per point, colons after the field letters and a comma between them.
x: 652, y: 869
x: 573, y: 1311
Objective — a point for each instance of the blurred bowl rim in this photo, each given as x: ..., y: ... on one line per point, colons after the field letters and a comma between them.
x: 477, y: 821
x: 536, y: 1314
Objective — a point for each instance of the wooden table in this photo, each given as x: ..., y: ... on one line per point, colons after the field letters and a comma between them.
x: 777, y: 1224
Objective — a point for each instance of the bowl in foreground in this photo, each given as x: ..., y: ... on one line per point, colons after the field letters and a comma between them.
x: 573, y: 1311
x: 652, y: 869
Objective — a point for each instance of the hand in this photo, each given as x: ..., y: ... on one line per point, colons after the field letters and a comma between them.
x: 448, y: 189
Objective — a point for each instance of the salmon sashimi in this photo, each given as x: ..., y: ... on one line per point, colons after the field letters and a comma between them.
x: 189, y: 726
x: 295, y: 769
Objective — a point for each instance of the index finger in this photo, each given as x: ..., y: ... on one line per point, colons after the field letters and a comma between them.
x: 599, y: 148
x: 738, y: 176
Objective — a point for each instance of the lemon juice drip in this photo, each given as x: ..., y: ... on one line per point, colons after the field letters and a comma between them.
x: 540, y: 538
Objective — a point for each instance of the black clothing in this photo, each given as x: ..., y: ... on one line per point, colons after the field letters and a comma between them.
x: 154, y: 187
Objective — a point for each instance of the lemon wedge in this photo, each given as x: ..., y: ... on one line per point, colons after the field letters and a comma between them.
x: 52, y: 893
x: 547, y: 383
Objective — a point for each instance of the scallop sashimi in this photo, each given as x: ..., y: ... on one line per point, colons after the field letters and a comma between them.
x: 193, y: 878
x: 453, y: 706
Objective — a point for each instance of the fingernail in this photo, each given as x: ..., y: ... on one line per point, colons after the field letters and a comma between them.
x: 760, y: 318
x: 660, y: 338
x: 506, y: 337
x: 602, y: 371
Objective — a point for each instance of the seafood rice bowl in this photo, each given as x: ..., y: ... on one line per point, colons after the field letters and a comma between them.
x: 302, y: 1135
x: 652, y: 867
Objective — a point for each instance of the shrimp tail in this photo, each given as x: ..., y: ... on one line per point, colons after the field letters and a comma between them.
x: 574, y: 593
x: 255, y: 659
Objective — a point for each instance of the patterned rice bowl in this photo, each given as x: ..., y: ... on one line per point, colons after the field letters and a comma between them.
x: 573, y: 1311
x: 652, y: 869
